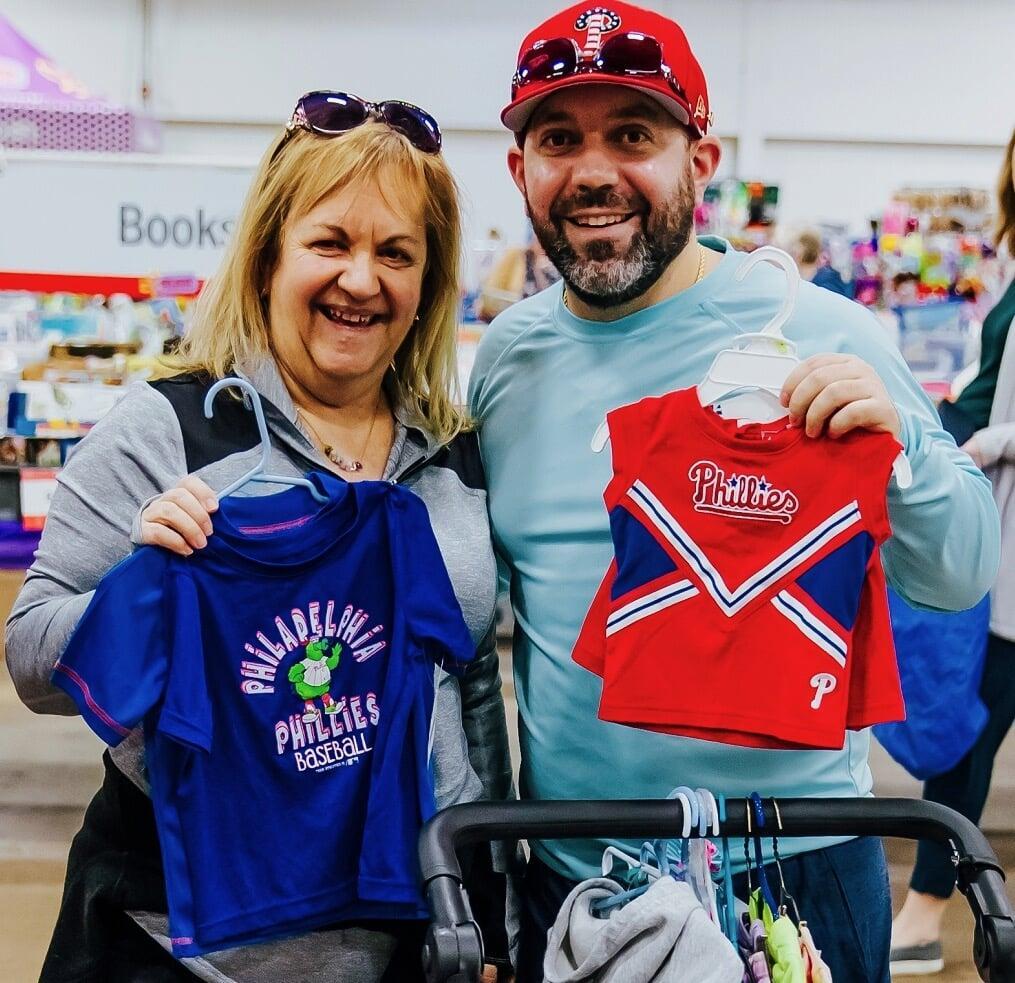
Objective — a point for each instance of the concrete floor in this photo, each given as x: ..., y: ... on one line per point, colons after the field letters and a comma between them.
x: 49, y: 769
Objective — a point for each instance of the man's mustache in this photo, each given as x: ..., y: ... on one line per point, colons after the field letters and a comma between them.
x: 566, y: 207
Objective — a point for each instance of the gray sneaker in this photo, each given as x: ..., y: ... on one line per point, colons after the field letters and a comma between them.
x: 917, y: 960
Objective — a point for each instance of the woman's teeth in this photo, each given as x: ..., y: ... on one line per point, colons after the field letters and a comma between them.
x: 347, y: 318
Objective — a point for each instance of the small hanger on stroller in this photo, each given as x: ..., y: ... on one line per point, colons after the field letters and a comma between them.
x: 755, y: 803
x: 689, y: 814
x: 612, y: 854
x: 729, y: 902
x: 258, y: 472
x: 603, y: 906
x: 784, y: 894
x: 711, y: 810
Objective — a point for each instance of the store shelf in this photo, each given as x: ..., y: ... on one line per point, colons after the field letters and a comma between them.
x: 136, y: 287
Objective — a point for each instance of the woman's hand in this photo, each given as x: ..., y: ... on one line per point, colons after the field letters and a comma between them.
x: 179, y: 520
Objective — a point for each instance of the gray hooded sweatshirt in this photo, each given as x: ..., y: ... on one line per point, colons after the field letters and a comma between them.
x: 663, y: 936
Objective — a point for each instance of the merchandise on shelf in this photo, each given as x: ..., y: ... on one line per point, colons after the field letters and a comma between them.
x: 744, y: 212
x: 65, y: 359
x: 929, y: 244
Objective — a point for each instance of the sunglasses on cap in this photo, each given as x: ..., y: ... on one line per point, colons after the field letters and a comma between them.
x: 630, y: 55
x: 330, y: 114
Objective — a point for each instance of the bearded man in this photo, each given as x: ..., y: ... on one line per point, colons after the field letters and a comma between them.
x: 611, y: 117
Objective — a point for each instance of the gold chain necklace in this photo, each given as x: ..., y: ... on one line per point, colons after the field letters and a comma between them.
x: 343, y: 464
x: 697, y: 278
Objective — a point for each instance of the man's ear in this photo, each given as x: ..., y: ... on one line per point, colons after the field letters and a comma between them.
x: 516, y: 165
x: 705, y: 155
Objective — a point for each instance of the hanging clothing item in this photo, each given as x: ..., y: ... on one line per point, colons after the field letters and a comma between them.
x: 752, y: 945
x: 757, y: 968
x: 285, y: 678
x: 663, y: 936
x: 783, y: 947
x: 746, y: 559
x: 817, y: 968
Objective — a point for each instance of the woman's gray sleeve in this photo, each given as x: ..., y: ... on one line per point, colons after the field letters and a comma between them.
x: 134, y: 452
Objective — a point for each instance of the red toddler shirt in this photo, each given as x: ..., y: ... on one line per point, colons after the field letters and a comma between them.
x: 746, y: 602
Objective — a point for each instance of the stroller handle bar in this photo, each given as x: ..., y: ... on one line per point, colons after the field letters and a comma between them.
x: 454, y: 947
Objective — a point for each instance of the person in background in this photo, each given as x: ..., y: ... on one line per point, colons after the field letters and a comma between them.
x: 337, y: 300
x: 986, y: 408
x: 613, y: 149
x: 806, y: 248
x: 519, y: 273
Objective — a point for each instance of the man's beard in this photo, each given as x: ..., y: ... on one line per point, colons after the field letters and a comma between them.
x: 604, y: 277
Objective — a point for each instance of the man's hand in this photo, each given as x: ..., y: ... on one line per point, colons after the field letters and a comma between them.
x: 841, y: 391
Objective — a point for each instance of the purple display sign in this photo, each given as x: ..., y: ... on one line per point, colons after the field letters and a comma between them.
x: 24, y: 70
x: 43, y: 107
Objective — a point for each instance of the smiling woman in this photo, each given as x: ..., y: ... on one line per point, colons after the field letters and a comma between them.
x: 344, y: 245
x: 337, y: 300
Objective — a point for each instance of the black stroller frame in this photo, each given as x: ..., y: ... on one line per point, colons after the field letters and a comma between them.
x: 454, y: 947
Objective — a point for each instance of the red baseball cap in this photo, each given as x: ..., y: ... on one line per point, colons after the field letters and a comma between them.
x: 686, y: 97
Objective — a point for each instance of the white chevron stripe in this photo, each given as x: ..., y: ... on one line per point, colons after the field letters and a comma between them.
x: 820, y: 633
x: 650, y: 604
x: 732, y: 601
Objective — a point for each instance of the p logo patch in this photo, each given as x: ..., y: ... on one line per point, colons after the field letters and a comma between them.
x: 823, y: 683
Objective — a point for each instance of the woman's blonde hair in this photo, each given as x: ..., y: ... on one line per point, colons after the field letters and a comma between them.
x: 1005, y: 232
x: 295, y: 174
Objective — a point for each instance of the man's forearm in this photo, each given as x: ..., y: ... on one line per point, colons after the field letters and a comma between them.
x: 945, y: 545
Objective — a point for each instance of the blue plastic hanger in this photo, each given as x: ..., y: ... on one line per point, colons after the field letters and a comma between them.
x: 258, y: 472
x: 729, y: 902
x: 759, y: 816
x: 690, y: 803
x: 603, y: 906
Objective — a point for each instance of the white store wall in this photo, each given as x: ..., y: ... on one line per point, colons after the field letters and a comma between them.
x: 838, y: 101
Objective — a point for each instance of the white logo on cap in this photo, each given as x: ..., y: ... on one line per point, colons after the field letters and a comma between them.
x: 597, y: 21
x: 699, y: 109
x: 823, y: 683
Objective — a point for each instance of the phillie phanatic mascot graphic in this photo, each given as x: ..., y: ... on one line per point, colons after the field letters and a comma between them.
x: 311, y: 677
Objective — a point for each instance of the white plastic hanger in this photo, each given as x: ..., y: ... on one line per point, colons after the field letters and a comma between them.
x: 748, y: 377
x: 612, y: 854
x: 257, y: 472
x: 758, y: 363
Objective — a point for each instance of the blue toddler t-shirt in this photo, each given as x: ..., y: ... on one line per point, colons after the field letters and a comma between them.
x: 284, y: 676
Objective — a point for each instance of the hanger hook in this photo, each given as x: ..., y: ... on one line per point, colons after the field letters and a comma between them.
x: 254, y: 400
x: 769, y: 254
x: 686, y: 808
x: 784, y: 894
x: 710, y: 807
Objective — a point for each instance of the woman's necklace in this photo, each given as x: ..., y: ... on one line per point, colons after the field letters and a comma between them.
x: 351, y: 466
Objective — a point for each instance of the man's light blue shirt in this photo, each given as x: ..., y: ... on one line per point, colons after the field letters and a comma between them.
x: 542, y: 384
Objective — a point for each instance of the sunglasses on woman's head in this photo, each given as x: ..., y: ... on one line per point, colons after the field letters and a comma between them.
x: 330, y: 114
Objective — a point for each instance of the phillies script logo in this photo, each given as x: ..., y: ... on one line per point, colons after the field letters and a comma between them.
x: 743, y: 496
